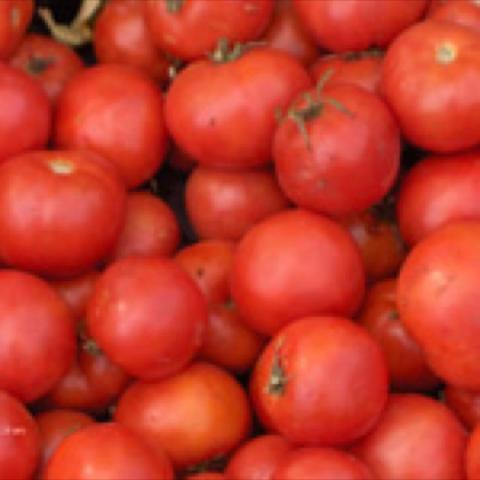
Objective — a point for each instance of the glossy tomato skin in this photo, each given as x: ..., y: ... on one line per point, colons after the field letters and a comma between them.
x: 223, y: 114
x: 19, y: 441
x: 406, y: 363
x: 116, y: 111
x: 193, y: 29
x: 463, y: 12
x: 79, y: 202
x: 429, y: 58
x: 437, y: 298
x: 25, y: 117
x: 357, y: 24
x: 472, y: 457
x: 225, y: 204
x: 195, y: 415
x: 362, y: 142
x: 51, y: 63
x: 300, y: 382
x: 15, y: 17
x: 106, y: 451
x: 148, y: 316
x: 465, y: 404
x: 294, y: 264
x: 416, y: 437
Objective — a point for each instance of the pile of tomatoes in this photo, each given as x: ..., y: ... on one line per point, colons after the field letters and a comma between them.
x: 241, y: 244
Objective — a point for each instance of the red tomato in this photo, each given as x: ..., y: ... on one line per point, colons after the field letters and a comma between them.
x: 121, y: 36
x: 465, y: 404
x: 15, y: 17
x: 437, y: 300
x: 430, y: 76
x: 416, y: 437
x: 52, y: 64
x: 19, y: 440
x: 74, y: 201
x: 258, y: 458
x: 195, y: 415
x: 150, y: 228
x: 106, y: 451
x: 37, y: 337
x: 190, y: 29
x: 222, y: 113
x: 300, y: 386
x: 148, y: 316
x: 225, y: 204
x: 295, y: 264
x: 472, y: 457
x: 437, y: 191
x: 209, y: 264
x: 115, y: 110
x: 406, y: 363
x: 25, y: 115
x: 321, y: 146
x: 463, y: 12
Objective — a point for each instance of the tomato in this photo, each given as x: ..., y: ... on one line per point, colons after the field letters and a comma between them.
x: 209, y: 264
x: 189, y: 29
x: 25, y: 115
x: 15, y: 17
x: 429, y: 79
x: 121, y: 36
x: 195, y: 415
x: 19, y: 440
x: 437, y: 300
x: 151, y: 228
x: 416, y: 437
x: 286, y: 33
x: 37, y: 337
x: 472, y: 457
x: 116, y: 111
x: 74, y: 201
x: 406, y: 363
x: 301, y: 382
x: 258, y: 458
x: 106, y: 451
x: 222, y: 112
x: 357, y: 24
x: 52, y: 64
x: 320, y: 146
x: 465, y: 404
x: 148, y: 316
x: 438, y: 191
x: 295, y: 264
x: 463, y: 12
x: 225, y: 204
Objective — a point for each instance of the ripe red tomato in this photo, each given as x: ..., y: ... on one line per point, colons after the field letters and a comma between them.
x: 225, y: 204
x: 114, y: 110
x: 15, y: 17
x: 321, y: 146
x: 463, y: 12
x: 437, y: 300
x: 406, y: 363
x: 25, y: 115
x: 74, y: 201
x: 416, y: 437
x: 19, y: 440
x: 106, y: 451
x: 294, y: 264
x: 222, y: 113
x: 301, y: 382
x: 472, y: 456
x: 52, y: 64
x: 429, y: 77
x: 37, y: 337
x: 190, y: 29
x: 148, y: 316
x: 465, y: 404
x: 195, y: 415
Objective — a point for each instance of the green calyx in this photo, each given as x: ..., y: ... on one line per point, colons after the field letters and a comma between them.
x: 354, y: 56
x: 37, y: 65
x: 278, y: 378
x: 225, y: 53
x: 174, y: 6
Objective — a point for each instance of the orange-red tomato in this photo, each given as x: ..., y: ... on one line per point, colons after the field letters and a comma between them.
x: 15, y: 17
x: 465, y: 404
x: 463, y: 12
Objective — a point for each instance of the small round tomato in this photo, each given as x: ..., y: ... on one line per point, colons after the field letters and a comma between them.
x: 416, y: 437
x: 73, y: 201
x: 190, y: 29
x: 15, y: 18
x: 107, y: 451
x: 225, y: 204
x: 300, y: 383
x: 195, y: 415
x: 116, y: 111
x: 465, y: 404
x: 51, y: 63
x: 472, y: 456
x: 463, y: 12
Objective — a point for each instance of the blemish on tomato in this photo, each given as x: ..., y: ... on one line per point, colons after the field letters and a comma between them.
x: 61, y: 167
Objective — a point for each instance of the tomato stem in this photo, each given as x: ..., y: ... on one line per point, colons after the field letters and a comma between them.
x: 37, y: 65
x: 278, y: 378
x: 174, y: 6
x: 224, y: 54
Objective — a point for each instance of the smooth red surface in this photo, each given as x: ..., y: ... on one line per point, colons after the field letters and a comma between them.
x: 465, y: 404
x: 463, y: 12
x: 15, y: 17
